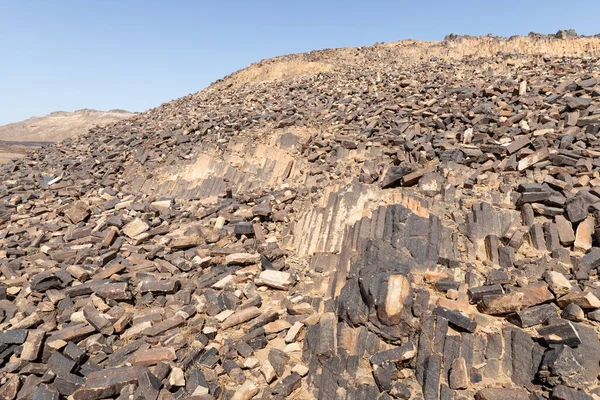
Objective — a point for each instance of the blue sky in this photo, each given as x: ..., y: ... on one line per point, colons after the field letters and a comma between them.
x: 135, y: 55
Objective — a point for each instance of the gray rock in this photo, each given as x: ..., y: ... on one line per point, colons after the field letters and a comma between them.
x: 573, y: 312
x: 565, y: 393
x: 562, y: 366
x: 456, y: 319
x: 459, y: 377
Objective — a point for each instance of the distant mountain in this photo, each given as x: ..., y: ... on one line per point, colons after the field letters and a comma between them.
x: 59, y: 125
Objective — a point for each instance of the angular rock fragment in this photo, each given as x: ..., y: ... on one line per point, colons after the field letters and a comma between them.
x: 10, y: 389
x: 278, y: 360
x: 562, y: 392
x: 398, y: 290
x: 563, y: 366
x: 402, y: 353
x: 135, y: 228
x: 534, y: 158
x: 109, y: 382
x: 558, y: 283
x: 583, y: 237
x: 573, y: 312
x: 591, y: 260
x: 536, y: 315
x: 246, y: 392
x: 191, y: 240
x: 45, y: 281
x: 33, y: 345
x: 585, y: 300
x: 17, y: 336
x: 275, y: 279
x: 45, y: 392
x: 393, y: 176
x: 153, y: 356
x: 240, y: 317
x: 560, y: 333
x: 288, y: 385
x: 456, y: 319
x: 534, y: 294
x: 477, y: 293
x: 431, y: 387
x: 459, y: 378
x: 242, y: 259
x: 522, y: 358
x: 77, y: 212
x: 501, y: 304
x: 565, y: 230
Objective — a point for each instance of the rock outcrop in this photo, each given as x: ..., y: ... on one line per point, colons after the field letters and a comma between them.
x: 388, y: 226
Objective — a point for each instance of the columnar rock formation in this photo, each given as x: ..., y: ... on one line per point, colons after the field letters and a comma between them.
x: 395, y: 221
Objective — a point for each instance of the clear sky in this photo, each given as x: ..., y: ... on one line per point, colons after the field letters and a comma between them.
x: 137, y: 54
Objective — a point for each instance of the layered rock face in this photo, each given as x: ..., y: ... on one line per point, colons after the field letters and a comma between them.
x: 391, y: 222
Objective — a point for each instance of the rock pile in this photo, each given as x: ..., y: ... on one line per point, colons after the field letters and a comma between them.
x: 388, y: 230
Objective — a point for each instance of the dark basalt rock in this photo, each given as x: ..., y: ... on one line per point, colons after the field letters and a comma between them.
x: 369, y: 301
x: 562, y: 366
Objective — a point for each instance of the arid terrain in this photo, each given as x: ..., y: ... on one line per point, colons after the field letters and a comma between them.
x: 410, y: 220
x: 18, y: 138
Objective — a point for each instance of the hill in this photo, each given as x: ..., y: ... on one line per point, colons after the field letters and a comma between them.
x: 404, y: 220
x: 18, y: 138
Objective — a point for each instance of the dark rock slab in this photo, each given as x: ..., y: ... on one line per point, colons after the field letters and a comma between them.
x: 402, y: 353
x: 535, y: 315
x: 522, y: 358
x: 108, y: 382
x: 560, y: 333
x: 564, y: 393
x: 456, y: 319
x: 17, y: 336
x: 431, y: 388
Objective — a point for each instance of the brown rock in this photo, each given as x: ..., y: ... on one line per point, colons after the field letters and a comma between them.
x: 77, y: 212
x: 153, y: 356
x: 583, y: 238
x: 534, y: 158
x: 534, y: 294
x: 31, y: 348
x: 459, y: 377
x: 585, y: 300
x: 135, y: 228
x: 558, y: 283
x: 502, y: 394
x: 242, y: 259
x: 246, y: 392
x: 501, y: 304
x: 566, y: 234
x: 240, y: 317
x: 186, y: 242
x: 9, y: 390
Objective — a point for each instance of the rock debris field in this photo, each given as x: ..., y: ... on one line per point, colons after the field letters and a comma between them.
x: 400, y: 221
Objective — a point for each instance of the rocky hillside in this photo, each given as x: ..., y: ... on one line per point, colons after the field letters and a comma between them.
x: 407, y: 220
